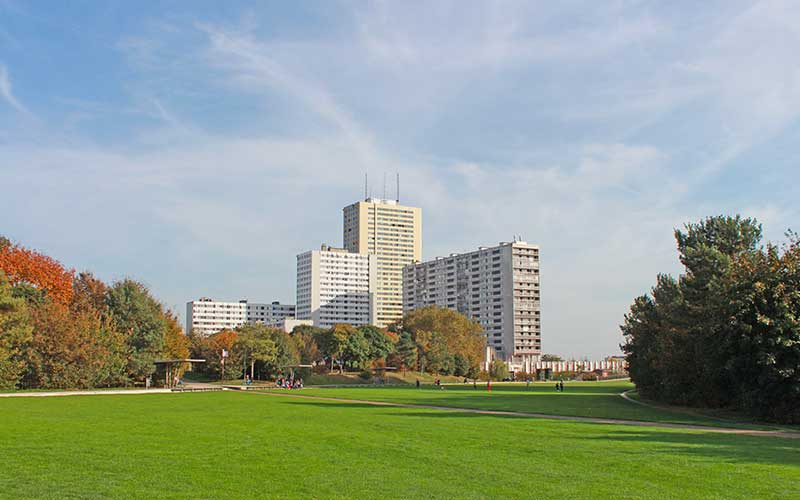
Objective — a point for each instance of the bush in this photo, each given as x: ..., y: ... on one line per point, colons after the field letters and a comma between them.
x: 365, y: 375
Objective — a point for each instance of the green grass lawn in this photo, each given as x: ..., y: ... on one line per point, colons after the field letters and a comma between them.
x: 335, y: 378
x: 251, y: 445
x: 584, y: 399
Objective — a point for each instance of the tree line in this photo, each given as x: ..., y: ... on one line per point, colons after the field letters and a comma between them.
x: 725, y: 333
x: 431, y: 340
x: 62, y: 329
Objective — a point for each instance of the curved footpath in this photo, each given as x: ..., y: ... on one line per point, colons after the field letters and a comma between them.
x: 593, y: 420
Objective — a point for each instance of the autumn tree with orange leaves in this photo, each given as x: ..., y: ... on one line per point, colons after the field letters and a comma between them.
x: 62, y: 330
x: 43, y: 274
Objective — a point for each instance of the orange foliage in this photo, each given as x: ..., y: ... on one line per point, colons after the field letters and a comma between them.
x: 23, y: 266
x: 224, y: 340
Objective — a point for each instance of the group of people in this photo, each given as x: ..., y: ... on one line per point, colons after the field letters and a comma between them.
x: 289, y: 383
x: 560, y: 386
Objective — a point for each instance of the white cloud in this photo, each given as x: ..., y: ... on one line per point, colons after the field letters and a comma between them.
x: 585, y: 176
x: 7, y: 94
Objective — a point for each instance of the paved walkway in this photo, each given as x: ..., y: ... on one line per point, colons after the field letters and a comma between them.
x: 593, y: 420
x: 82, y: 393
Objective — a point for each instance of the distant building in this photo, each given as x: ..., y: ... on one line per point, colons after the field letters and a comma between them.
x: 498, y: 287
x: 288, y: 324
x: 269, y: 314
x: 392, y: 232
x: 336, y: 286
x: 207, y: 316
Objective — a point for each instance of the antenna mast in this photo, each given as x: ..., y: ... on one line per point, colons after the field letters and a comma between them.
x: 384, y: 185
x: 398, y: 187
x: 366, y: 195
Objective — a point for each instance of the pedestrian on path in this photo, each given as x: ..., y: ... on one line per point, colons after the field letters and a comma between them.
x: 489, y: 385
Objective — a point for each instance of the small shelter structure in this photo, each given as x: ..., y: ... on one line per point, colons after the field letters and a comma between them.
x: 172, y: 369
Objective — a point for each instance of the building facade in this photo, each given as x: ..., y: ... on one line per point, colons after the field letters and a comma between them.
x: 498, y: 287
x: 269, y: 314
x: 207, y: 316
x: 336, y: 286
x: 393, y: 233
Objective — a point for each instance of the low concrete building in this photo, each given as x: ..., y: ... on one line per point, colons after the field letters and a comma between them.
x: 271, y: 314
x: 207, y: 316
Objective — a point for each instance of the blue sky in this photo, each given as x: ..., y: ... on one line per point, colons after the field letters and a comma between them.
x: 199, y: 146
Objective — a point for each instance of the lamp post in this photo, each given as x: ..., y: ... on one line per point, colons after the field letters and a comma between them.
x: 222, y: 362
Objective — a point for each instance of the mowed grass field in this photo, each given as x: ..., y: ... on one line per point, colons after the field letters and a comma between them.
x: 583, y: 399
x: 254, y: 445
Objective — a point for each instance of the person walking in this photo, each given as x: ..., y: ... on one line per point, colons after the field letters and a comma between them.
x: 528, y: 383
x: 562, y: 386
x: 489, y: 385
x: 417, y: 383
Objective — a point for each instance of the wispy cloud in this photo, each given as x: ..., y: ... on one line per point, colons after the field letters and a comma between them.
x: 7, y: 94
x: 591, y: 130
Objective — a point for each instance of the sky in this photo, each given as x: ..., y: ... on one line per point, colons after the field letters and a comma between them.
x: 199, y: 146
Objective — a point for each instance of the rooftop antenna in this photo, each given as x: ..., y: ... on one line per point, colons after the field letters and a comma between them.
x: 398, y: 187
x: 384, y: 185
x: 366, y: 195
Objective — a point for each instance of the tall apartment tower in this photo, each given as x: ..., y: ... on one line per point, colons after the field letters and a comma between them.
x: 336, y: 286
x: 393, y: 233
x: 498, y: 287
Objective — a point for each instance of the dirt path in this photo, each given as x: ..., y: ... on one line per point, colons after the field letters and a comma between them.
x: 593, y: 420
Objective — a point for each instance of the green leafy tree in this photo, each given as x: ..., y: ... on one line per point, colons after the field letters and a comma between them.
x: 255, y: 345
x: 439, y: 358
x: 286, y: 351
x: 498, y: 370
x: 406, y: 350
x: 725, y: 333
x: 459, y: 335
x: 140, y: 318
x: 305, y: 339
x: 332, y: 343
x: 357, y: 350
x: 15, y: 334
x: 64, y: 351
x: 380, y: 344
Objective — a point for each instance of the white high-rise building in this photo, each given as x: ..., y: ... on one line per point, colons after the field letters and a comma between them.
x: 392, y: 232
x: 207, y: 316
x: 498, y: 287
x: 336, y: 286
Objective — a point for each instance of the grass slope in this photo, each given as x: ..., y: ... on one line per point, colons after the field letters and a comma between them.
x: 583, y: 399
x: 250, y: 445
